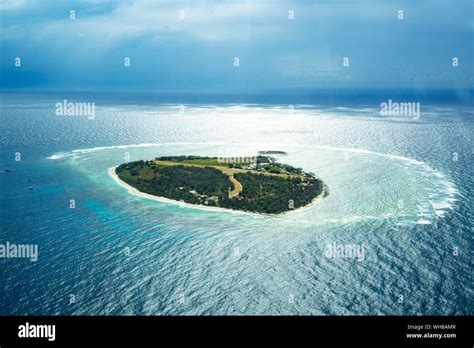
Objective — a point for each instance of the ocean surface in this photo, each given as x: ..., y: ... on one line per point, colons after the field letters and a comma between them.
x: 400, y: 190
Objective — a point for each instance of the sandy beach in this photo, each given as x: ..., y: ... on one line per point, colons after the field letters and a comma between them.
x: 138, y: 193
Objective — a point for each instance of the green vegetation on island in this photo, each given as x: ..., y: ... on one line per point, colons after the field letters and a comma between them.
x: 257, y: 184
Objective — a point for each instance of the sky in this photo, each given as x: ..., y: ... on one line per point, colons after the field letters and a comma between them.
x: 193, y: 45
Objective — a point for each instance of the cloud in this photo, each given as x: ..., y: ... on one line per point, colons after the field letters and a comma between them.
x: 197, y: 50
x: 12, y: 4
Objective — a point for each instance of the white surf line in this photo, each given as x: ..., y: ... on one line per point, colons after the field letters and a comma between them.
x: 449, y: 188
x: 59, y: 155
x: 347, y: 149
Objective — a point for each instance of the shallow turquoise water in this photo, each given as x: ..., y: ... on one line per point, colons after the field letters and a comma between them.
x: 395, y: 190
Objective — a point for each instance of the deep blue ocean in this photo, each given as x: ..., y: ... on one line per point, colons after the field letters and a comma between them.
x: 400, y: 188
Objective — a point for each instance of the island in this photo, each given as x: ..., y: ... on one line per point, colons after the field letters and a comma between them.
x: 272, y: 152
x: 258, y: 184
